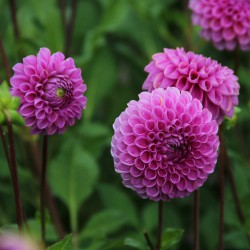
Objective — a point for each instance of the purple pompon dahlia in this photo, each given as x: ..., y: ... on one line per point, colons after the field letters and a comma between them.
x: 13, y: 242
x: 224, y: 22
x: 165, y: 145
x: 214, y: 85
x: 51, y: 91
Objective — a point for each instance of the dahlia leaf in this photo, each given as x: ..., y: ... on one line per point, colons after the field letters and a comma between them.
x: 116, y: 10
x: 103, y: 224
x: 65, y: 244
x: 78, y: 175
x: 117, y: 199
x: 99, y: 73
x: 16, y: 118
x: 170, y: 237
x: 135, y: 243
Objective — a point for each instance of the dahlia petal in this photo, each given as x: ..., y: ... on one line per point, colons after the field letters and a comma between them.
x: 27, y: 110
x: 18, y: 68
x: 152, y: 191
x: 42, y: 124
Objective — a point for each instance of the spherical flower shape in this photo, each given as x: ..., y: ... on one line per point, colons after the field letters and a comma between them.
x: 214, y: 85
x: 14, y: 242
x: 51, y: 91
x: 224, y: 22
x: 165, y: 145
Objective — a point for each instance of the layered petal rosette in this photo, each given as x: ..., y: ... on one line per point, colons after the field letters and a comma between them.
x: 214, y: 85
x: 165, y: 145
x: 51, y: 90
x: 224, y: 22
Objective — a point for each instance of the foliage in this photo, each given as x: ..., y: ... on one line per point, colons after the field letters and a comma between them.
x: 112, y: 42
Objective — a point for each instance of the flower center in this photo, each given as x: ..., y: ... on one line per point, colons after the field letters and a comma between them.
x: 58, y: 92
x: 174, y: 148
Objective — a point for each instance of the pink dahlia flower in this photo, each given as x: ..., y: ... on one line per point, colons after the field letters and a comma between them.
x: 51, y: 91
x: 165, y: 145
x: 13, y: 242
x: 224, y: 22
x: 214, y: 85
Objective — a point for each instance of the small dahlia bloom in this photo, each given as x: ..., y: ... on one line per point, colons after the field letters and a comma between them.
x: 165, y: 145
x: 214, y: 85
x: 224, y: 22
x: 14, y: 242
x: 51, y: 90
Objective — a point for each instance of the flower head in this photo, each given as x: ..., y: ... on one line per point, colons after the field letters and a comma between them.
x: 224, y: 22
x: 165, y: 145
x: 51, y: 91
x: 214, y: 85
x: 14, y: 242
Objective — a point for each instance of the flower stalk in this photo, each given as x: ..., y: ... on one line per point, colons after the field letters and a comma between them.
x: 196, y: 219
x: 14, y: 174
x: 160, y: 225
x: 43, y: 187
x: 222, y: 187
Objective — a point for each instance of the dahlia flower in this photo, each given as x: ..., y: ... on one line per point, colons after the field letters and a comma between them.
x: 214, y: 85
x: 51, y: 91
x: 165, y: 145
x: 224, y: 22
x: 14, y: 242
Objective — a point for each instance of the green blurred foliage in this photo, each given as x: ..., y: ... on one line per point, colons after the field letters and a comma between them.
x: 113, y: 40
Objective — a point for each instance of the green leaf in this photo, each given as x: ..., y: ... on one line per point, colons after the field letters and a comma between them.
x: 65, y: 244
x: 16, y: 118
x: 73, y: 174
x: 135, y: 243
x: 100, y: 79
x: 149, y: 215
x: 34, y: 228
x: 102, y: 224
x: 116, y: 199
x: 115, y: 10
x: 98, y: 134
x: 170, y: 237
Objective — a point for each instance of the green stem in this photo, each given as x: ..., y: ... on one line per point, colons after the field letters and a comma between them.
x: 160, y: 225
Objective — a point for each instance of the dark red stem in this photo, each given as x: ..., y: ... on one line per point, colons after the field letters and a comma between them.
x: 13, y: 10
x: 14, y: 175
x: 196, y: 219
x: 43, y: 182
x: 222, y: 187
x: 70, y: 27
x: 4, y: 59
x: 5, y: 147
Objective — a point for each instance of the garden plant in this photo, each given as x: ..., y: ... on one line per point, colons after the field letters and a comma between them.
x: 124, y: 124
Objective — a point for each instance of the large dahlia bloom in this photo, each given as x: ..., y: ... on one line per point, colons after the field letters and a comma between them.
x: 165, y: 145
x: 214, y: 85
x: 51, y: 91
x: 224, y: 22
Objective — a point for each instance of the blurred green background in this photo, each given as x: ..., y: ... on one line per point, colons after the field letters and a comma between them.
x: 112, y: 41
